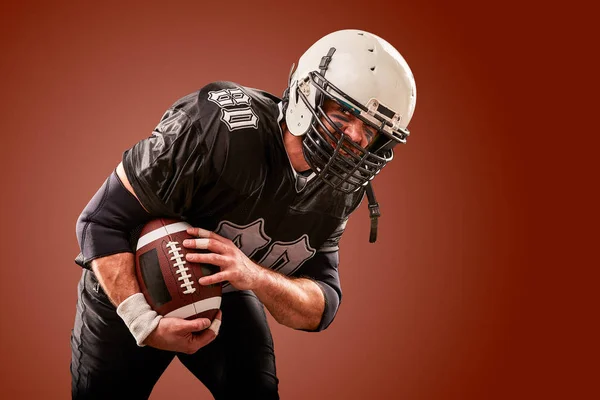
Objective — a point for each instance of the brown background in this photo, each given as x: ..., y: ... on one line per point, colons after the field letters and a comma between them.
x: 477, y: 288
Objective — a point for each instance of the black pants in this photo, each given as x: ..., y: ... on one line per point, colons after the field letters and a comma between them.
x: 107, y: 363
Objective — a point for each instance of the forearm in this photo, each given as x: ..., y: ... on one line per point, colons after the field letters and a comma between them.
x: 116, y: 274
x: 298, y: 303
x: 294, y: 302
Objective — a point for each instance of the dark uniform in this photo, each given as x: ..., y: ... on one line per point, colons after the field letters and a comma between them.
x: 217, y: 160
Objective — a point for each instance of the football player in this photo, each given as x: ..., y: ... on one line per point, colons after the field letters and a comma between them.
x: 268, y: 185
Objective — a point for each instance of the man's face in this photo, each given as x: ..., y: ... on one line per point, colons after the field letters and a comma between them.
x: 355, y: 129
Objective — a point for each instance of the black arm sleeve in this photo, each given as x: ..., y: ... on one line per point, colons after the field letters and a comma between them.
x: 323, y: 269
x: 105, y: 225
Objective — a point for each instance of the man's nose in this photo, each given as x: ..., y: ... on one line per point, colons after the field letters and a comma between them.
x: 353, y: 130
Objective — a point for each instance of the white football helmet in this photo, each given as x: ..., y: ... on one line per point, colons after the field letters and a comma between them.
x: 365, y: 75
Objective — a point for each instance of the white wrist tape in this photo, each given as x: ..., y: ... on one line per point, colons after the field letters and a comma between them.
x: 138, y: 316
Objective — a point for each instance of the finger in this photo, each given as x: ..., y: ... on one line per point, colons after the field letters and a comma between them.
x: 214, y: 278
x: 194, y: 325
x: 206, y: 244
x: 203, y: 233
x: 199, y: 340
x: 216, y: 324
x: 207, y: 258
x: 198, y: 232
x: 205, y: 337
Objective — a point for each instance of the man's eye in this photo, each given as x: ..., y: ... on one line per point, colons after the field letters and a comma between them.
x: 346, y: 112
x: 370, y: 132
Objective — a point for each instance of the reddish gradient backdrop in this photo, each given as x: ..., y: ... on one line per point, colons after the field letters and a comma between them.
x: 438, y: 308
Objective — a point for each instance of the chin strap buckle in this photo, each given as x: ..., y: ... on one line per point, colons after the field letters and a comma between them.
x: 374, y: 213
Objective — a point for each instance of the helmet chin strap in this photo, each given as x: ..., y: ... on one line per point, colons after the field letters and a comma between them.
x: 374, y: 213
x: 325, y: 60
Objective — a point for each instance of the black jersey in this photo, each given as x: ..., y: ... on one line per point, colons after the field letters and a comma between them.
x: 217, y: 160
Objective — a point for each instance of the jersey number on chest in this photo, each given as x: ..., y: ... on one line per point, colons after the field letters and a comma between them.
x: 284, y: 257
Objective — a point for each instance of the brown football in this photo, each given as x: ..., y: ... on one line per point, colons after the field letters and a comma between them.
x: 170, y: 282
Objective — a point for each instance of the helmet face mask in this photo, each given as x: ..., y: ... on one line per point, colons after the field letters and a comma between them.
x: 323, y: 74
x: 335, y: 158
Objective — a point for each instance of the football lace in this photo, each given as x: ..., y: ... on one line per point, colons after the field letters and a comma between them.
x: 181, y: 270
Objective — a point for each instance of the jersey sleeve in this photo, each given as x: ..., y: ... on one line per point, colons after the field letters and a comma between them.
x: 179, y: 159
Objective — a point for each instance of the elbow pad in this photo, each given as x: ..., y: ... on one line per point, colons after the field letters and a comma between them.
x: 108, y: 222
x: 333, y: 299
x: 323, y: 270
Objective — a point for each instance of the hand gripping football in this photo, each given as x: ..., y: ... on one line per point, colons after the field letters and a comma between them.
x: 168, y: 281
